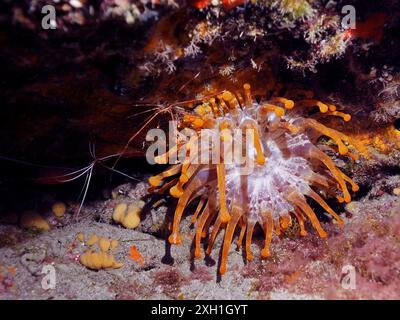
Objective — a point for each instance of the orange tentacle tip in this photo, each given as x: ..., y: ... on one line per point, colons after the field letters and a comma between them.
x: 176, y: 191
x: 249, y: 256
x: 288, y: 104
x: 303, y: 233
x: 198, y: 253
x: 227, y: 96
x: 322, y: 234
x: 225, y: 216
x: 343, y: 149
x: 222, y: 269
x: 260, y: 159
x: 332, y: 107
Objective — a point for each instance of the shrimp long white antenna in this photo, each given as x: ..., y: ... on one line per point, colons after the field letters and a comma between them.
x: 86, y: 171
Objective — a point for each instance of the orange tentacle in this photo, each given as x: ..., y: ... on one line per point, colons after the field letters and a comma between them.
x: 230, y: 230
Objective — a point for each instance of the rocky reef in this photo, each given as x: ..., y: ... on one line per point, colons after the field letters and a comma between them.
x: 81, y: 90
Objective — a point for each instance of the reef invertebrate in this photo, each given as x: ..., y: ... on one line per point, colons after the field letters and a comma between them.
x: 286, y: 168
x: 128, y: 216
x: 135, y: 255
x: 33, y: 220
x: 99, y: 260
x: 93, y: 239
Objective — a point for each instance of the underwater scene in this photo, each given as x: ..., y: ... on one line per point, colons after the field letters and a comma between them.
x: 199, y: 150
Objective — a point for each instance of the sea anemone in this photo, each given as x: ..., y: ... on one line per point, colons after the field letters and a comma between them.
x: 279, y: 139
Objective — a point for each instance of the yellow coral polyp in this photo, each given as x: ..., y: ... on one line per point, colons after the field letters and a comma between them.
x: 80, y: 237
x: 120, y: 209
x: 104, y: 244
x: 93, y: 239
x: 289, y: 168
x: 33, y: 220
x: 59, y: 209
x: 114, y: 244
x: 128, y: 215
x: 132, y: 218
